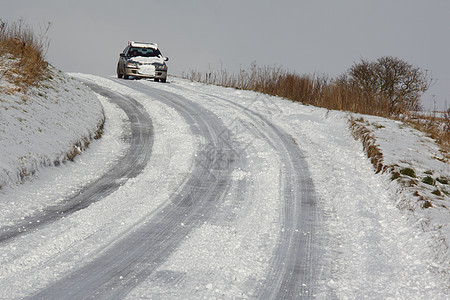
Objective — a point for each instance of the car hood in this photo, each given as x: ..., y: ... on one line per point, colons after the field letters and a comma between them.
x: 148, y: 60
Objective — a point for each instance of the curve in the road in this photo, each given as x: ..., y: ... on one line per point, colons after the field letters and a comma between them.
x: 137, y: 255
x: 297, y: 268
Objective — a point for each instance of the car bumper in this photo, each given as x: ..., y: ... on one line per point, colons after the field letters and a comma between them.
x: 148, y: 72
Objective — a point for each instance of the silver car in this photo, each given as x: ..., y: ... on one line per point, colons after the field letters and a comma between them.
x: 142, y: 60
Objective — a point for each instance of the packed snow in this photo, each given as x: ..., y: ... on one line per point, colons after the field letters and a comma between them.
x: 377, y: 248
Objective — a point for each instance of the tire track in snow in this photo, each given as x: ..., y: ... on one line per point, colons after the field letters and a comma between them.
x: 296, y: 269
x: 136, y: 256
x: 128, y: 166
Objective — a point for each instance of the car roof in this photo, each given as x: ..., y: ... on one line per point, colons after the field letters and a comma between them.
x: 143, y: 45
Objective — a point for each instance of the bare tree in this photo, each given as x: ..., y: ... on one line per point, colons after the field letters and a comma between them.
x: 400, y: 82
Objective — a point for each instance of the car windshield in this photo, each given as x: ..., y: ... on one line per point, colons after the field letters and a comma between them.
x: 146, y: 52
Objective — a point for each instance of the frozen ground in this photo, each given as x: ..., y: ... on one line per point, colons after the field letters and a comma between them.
x: 243, y: 196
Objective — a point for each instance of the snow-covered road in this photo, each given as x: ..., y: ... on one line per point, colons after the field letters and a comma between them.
x: 205, y: 192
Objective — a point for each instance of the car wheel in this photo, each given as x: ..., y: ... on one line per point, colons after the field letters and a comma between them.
x: 156, y: 79
x: 125, y: 76
x: 119, y: 75
x: 163, y: 79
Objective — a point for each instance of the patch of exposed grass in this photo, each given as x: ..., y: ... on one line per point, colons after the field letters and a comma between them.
x: 408, y: 172
x: 442, y: 180
x: 378, y: 126
x: 436, y: 192
x: 429, y: 180
x: 395, y: 175
x: 427, y: 204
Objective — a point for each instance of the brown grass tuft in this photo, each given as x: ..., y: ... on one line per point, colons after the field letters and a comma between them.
x: 25, y: 52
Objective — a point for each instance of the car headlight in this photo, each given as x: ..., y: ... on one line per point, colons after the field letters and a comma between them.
x: 132, y: 64
x: 160, y: 67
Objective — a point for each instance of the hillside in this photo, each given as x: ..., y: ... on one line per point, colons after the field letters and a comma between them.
x: 46, y: 125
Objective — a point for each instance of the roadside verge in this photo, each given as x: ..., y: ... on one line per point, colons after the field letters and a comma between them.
x: 419, y: 171
x: 47, y: 125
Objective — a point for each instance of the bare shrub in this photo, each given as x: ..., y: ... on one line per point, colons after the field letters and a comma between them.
x: 395, y: 79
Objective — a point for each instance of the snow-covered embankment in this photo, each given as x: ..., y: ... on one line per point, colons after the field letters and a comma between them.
x: 48, y: 125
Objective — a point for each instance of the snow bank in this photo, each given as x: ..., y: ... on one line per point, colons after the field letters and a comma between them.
x: 422, y: 192
x: 46, y: 126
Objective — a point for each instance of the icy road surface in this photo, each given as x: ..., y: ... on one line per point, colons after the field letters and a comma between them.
x: 205, y: 192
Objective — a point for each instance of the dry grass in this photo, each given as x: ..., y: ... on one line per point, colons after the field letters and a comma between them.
x: 320, y: 90
x: 317, y: 90
x: 360, y: 132
x: 437, y: 125
x: 25, y: 52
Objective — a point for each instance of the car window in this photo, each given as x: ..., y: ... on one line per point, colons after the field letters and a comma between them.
x: 146, y: 52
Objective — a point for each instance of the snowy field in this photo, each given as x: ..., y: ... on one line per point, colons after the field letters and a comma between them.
x: 377, y: 240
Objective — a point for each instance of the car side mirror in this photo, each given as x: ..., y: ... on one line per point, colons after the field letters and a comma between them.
x: 122, y: 54
x: 166, y: 58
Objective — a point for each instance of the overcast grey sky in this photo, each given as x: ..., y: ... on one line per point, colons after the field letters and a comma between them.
x: 305, y: 36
